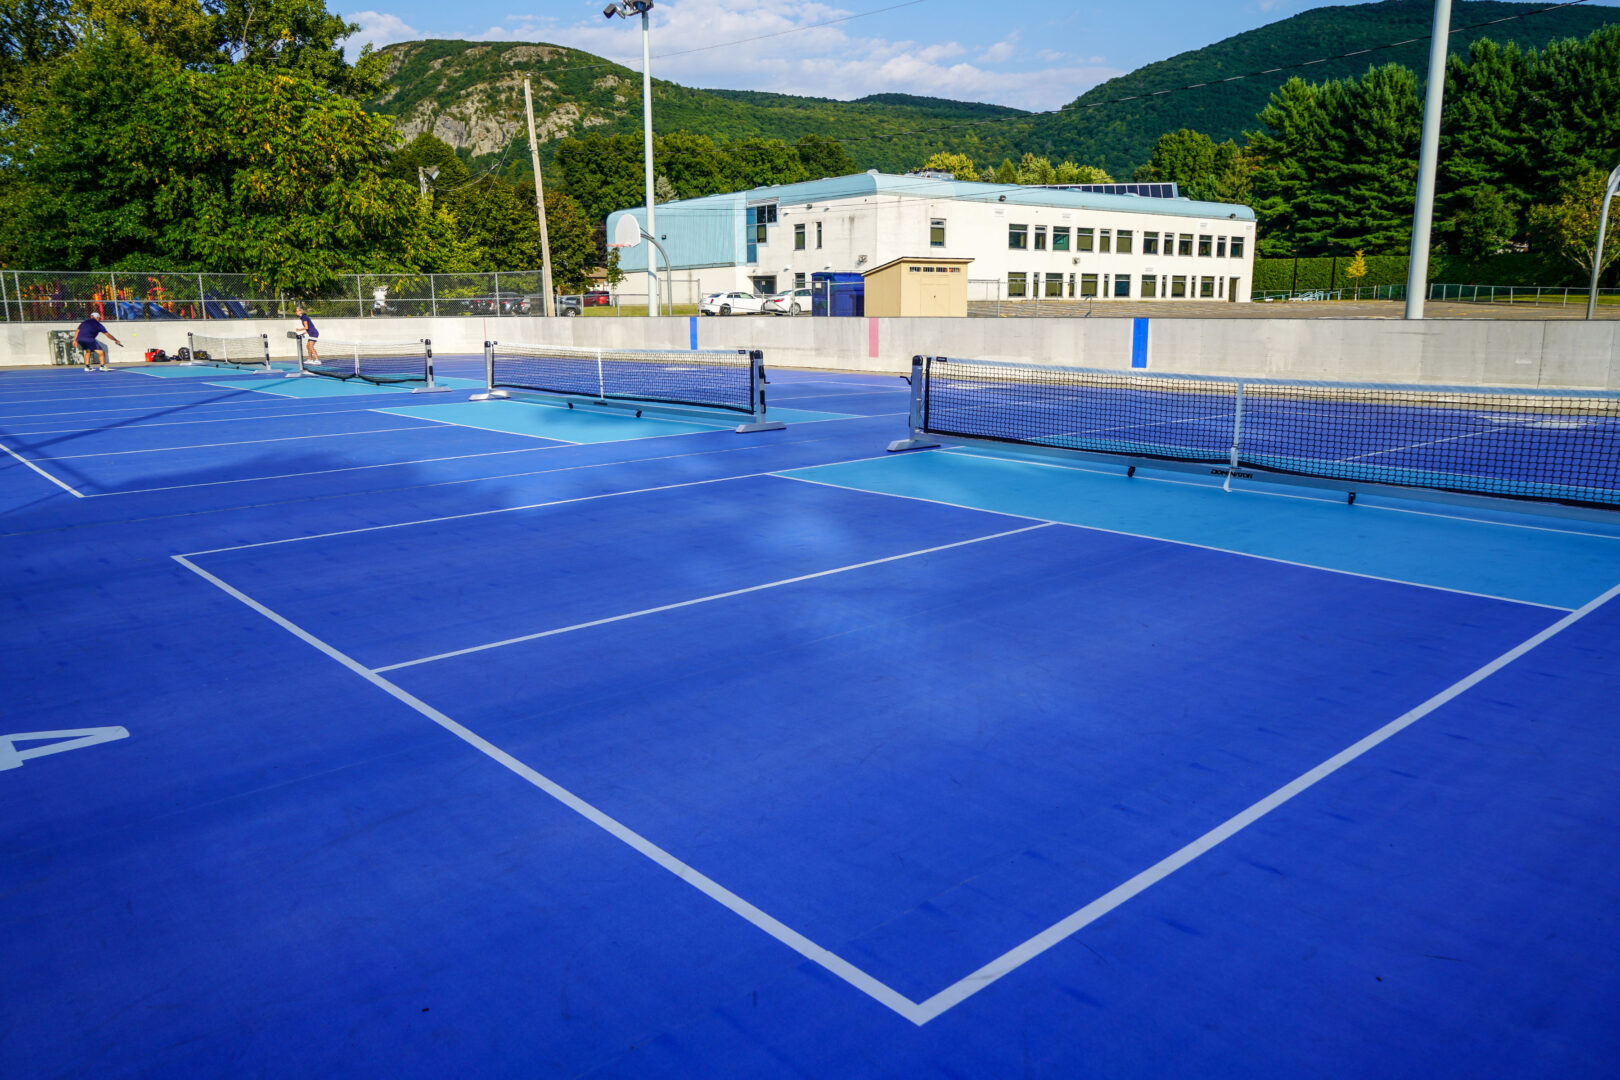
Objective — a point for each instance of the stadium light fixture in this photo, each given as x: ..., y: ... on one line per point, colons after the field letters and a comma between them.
x: 1603, y: 225
x: 626, y: 9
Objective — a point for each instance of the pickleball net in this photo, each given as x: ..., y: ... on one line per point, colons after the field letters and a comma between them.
x: 244, y: 350
x: 1559, y: 445
x: 378, y: 363
x: 707, y: 382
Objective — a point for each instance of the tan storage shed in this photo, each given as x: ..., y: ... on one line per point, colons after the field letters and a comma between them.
x: 913, y: 285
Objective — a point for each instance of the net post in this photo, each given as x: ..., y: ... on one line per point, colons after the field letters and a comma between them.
x: 431, y: 387
x: 917, y: 418
x: 264, y: 341
x: 756, y: 377
x: 489, y: 375
x: 298, y: 354
x: 191, y: 347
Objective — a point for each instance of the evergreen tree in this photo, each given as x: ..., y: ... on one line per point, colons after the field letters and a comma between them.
x: 823, y: 157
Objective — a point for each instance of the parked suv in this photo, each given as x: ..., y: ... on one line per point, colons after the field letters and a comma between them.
x: 598, y: 298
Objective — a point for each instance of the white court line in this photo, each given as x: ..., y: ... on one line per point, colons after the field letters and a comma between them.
x: 706, y: 599
x: 1016, y: 957
x: 794, y: 940
x: 243, y: 442
x: 71, y: 491
x: 497, y: 510
x: 1191, y: 544
x: 1421, y: 445
x: 919, y: 1013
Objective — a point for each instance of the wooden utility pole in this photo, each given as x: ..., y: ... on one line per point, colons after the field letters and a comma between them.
x: 539, y: 205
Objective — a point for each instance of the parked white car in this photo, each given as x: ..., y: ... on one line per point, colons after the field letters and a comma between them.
x: 792, y: 302
x: 732, y: 303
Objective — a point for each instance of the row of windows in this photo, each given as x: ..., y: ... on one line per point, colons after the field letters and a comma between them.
x: 1119, y: 241
x: 1153, y: 287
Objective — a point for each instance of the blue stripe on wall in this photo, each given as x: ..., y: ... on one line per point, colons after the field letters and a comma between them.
x: 1139, y: 340
x: 692, y: 322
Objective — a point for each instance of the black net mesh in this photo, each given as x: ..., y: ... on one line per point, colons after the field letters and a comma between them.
x: 1560, y: 445
x: 710, y: 378
x: 372, y: 362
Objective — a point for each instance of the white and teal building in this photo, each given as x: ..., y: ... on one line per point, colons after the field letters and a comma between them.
x: 1024, y: 241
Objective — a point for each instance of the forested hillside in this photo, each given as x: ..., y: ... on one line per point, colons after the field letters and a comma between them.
x: 471, y: 95
x: 1119, y: 137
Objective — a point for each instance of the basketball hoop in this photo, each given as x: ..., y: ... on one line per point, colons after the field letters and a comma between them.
x: 627, y: 233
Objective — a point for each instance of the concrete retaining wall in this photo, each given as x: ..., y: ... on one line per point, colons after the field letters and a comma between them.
x: 1554, y: 353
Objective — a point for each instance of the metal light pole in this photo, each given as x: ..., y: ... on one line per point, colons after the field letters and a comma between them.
x: 1417, y: 273
x: 624, y: 9
x: 1603, y: 224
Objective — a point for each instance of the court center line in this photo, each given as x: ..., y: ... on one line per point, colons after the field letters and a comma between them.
x: 778, y: 930
x: 71, y: 491
x: 1200, y: 547
x: 243, y: 442
x: 1019, y: 955
x: 706, y: 599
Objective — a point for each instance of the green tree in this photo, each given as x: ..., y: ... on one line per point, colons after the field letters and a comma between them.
x: 762, y: 162
x: 960, y: 166
x: 573, y: 244
x: 1035, y: 170
x: 1070, y: 173
x: 1569, y: 226
x: 428, y: 151
x: 1006, y: 172
x: 1487, y: 225
x: 823, y: 157
x: 1199, y: 167
x: 125, y: 156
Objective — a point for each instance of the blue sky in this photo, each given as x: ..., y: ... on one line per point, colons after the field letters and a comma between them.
x: 1032, y: 56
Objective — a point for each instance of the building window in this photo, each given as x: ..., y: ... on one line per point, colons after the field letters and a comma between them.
x: 1150, y: 284
x: 767, y: 214
x: 1237, y: 247
x: 1060, y: 238
x: 1178, y: 287
x: 798, y: 281
x: 1206, y: 288
x: 1088, y: 284
x: 1220, y: 247
x: 1015, y: 285
x: 1105, y: 240
x: 1150, y: 243
x: 936, y: 233
x: 1124, y: 241
x: 1122, y: 286
x: 760, y: 236
x: 798, y: 237
x: 1206, y: 247
x: 1054, y: 286
x: 1185, y: 247
x: 1017, y: 237
x: 1083, y: 239
x: 1040, y: 238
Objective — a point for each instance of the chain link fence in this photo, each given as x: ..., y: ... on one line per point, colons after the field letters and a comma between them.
x: 52, y: 296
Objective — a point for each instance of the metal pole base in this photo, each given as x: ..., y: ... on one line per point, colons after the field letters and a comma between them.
x: 762, y: 425
x: 431, y: 389
x: 493, y: 395
x: 912, y: 444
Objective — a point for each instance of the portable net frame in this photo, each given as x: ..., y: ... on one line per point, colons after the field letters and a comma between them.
x: 381, y: 363
x: 247, y: 350
x: 703, y: 382
x: 1558, y: 446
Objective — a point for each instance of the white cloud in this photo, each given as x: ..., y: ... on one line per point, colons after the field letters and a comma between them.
x: 378, y: 28
x: 782, y: 50
x: 1001, y: 51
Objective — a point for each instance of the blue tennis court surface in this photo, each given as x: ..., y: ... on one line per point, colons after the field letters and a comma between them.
x: 352, y: 735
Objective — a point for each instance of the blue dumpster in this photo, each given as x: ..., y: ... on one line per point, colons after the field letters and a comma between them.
x: 837, y: 294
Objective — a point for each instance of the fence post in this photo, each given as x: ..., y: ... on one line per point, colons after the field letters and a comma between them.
x: 497, y: 276
x: 202, y: 297
x: 5, y: 298
x: 359, y: 301
x: 433, y: 297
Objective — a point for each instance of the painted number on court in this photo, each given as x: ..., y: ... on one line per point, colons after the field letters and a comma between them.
x: 13, y: 754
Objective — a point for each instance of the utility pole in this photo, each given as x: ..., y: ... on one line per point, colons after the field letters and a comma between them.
x: 1417, y: 272
x: 539, y: 205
